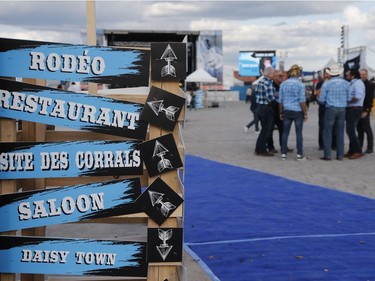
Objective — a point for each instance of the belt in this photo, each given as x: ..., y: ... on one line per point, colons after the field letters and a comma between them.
x: 355, y: 107
x: 269, y: 104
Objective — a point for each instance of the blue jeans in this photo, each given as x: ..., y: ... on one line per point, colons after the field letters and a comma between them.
x: 265, y: 115
x: 289, y: 118
x: 334, y: 123
x: 353, y: 114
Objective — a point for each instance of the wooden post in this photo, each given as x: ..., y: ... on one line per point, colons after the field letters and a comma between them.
x: 33, y: 132
x: 8, y: 133
x: 91, y: 34
x: 161, y: 272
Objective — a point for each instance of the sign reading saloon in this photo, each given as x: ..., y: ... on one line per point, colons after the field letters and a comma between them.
x: 36, y: 255
x: 57, y: 61
x: 69, y: 159
x: 68, y: 109
x: 68, y: 204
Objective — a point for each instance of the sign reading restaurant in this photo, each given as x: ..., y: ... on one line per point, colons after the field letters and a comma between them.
x: 73, y: 110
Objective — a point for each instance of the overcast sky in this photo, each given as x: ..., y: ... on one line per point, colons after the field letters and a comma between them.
x: 308, y: 31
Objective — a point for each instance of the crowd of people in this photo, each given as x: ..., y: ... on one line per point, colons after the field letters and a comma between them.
x: 345, y: 100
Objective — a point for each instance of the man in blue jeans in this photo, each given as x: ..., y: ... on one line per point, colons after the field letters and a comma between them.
x: 264, y: 92
x: 292, y: 105
x: 335, y: 97
x: 354, y: 110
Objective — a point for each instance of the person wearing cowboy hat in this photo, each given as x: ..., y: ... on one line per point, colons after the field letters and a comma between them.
x: 335, y: 97
x: 292, y: 105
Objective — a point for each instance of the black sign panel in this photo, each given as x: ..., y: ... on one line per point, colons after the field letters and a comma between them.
x: 168, y: 61
x: 164, y: 244
x: 162, y: 108
x: 160, y: 201
x: 160, y: 155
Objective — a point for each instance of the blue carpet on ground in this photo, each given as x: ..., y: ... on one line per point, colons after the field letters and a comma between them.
x: 247, y: 225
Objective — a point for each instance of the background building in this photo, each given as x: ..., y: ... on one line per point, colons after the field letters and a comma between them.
x: 204, y: 48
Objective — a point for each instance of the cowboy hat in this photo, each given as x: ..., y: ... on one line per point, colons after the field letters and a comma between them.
x: 294, y: 71
x: 334, y: 70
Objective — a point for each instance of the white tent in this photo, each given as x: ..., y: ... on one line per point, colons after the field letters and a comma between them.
x: 201, y: 76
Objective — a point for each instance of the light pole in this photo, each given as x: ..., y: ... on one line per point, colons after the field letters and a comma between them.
x: 282, y: 57
x: 344, y: 45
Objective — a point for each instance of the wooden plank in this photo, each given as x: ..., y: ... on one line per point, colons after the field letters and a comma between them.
x: 72, y: 135
x: 166, y: 271
x: 8, y: 134
x: 91, y: 34
x: 52, y: 182
x: 33, y: 132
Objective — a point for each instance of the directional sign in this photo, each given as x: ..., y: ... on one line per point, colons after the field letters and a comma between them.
x: 164, y: 244
x: 57, y: 61
x: 36, y: 255
x: 160, y: 155
x: 168, y: 61
x: 68, y: 109
x: 162, y: 108
x: 69, y: 159
x: 160, y: 201
x: 68, y: 204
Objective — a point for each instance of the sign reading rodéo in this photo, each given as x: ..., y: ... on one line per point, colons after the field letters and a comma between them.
x: 68, y: 204
x: 68, y: 109
x: 69, y: 159
x: 57, y: 61
x: 36, y: 255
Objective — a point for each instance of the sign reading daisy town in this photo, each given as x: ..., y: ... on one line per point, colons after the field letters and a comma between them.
x: 57, y: 61
x: 37, y: 255
x: 69, y: 109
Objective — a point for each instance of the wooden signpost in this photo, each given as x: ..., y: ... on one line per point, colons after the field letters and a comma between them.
x: 110, y: 136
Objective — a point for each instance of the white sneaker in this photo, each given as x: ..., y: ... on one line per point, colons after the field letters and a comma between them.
x: 257, y: 132
x: 301, y: 157
x: 283, y: 156
x: 245, y: 129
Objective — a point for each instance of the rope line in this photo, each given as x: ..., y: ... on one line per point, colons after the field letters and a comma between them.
x: 278, y: 238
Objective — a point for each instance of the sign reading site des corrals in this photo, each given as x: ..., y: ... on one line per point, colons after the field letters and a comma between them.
x: 80, y: 158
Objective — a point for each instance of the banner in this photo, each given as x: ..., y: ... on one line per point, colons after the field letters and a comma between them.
x: 355, y: 58
x: 253, y: 63
x: 36, y: 255
x: 69, y: 159
x: 68, y: 204
x: 67, y: 62
x: 69, y: 109
x: 210, y: 53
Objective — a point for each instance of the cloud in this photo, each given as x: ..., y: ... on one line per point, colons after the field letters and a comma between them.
x: 354, y: 17
x: 171, y: 9
x: 308, y: 30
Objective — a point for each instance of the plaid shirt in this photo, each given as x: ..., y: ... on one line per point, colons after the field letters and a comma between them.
x: 335, y: 93
x: 292, y: 94
x: 264, y: 91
